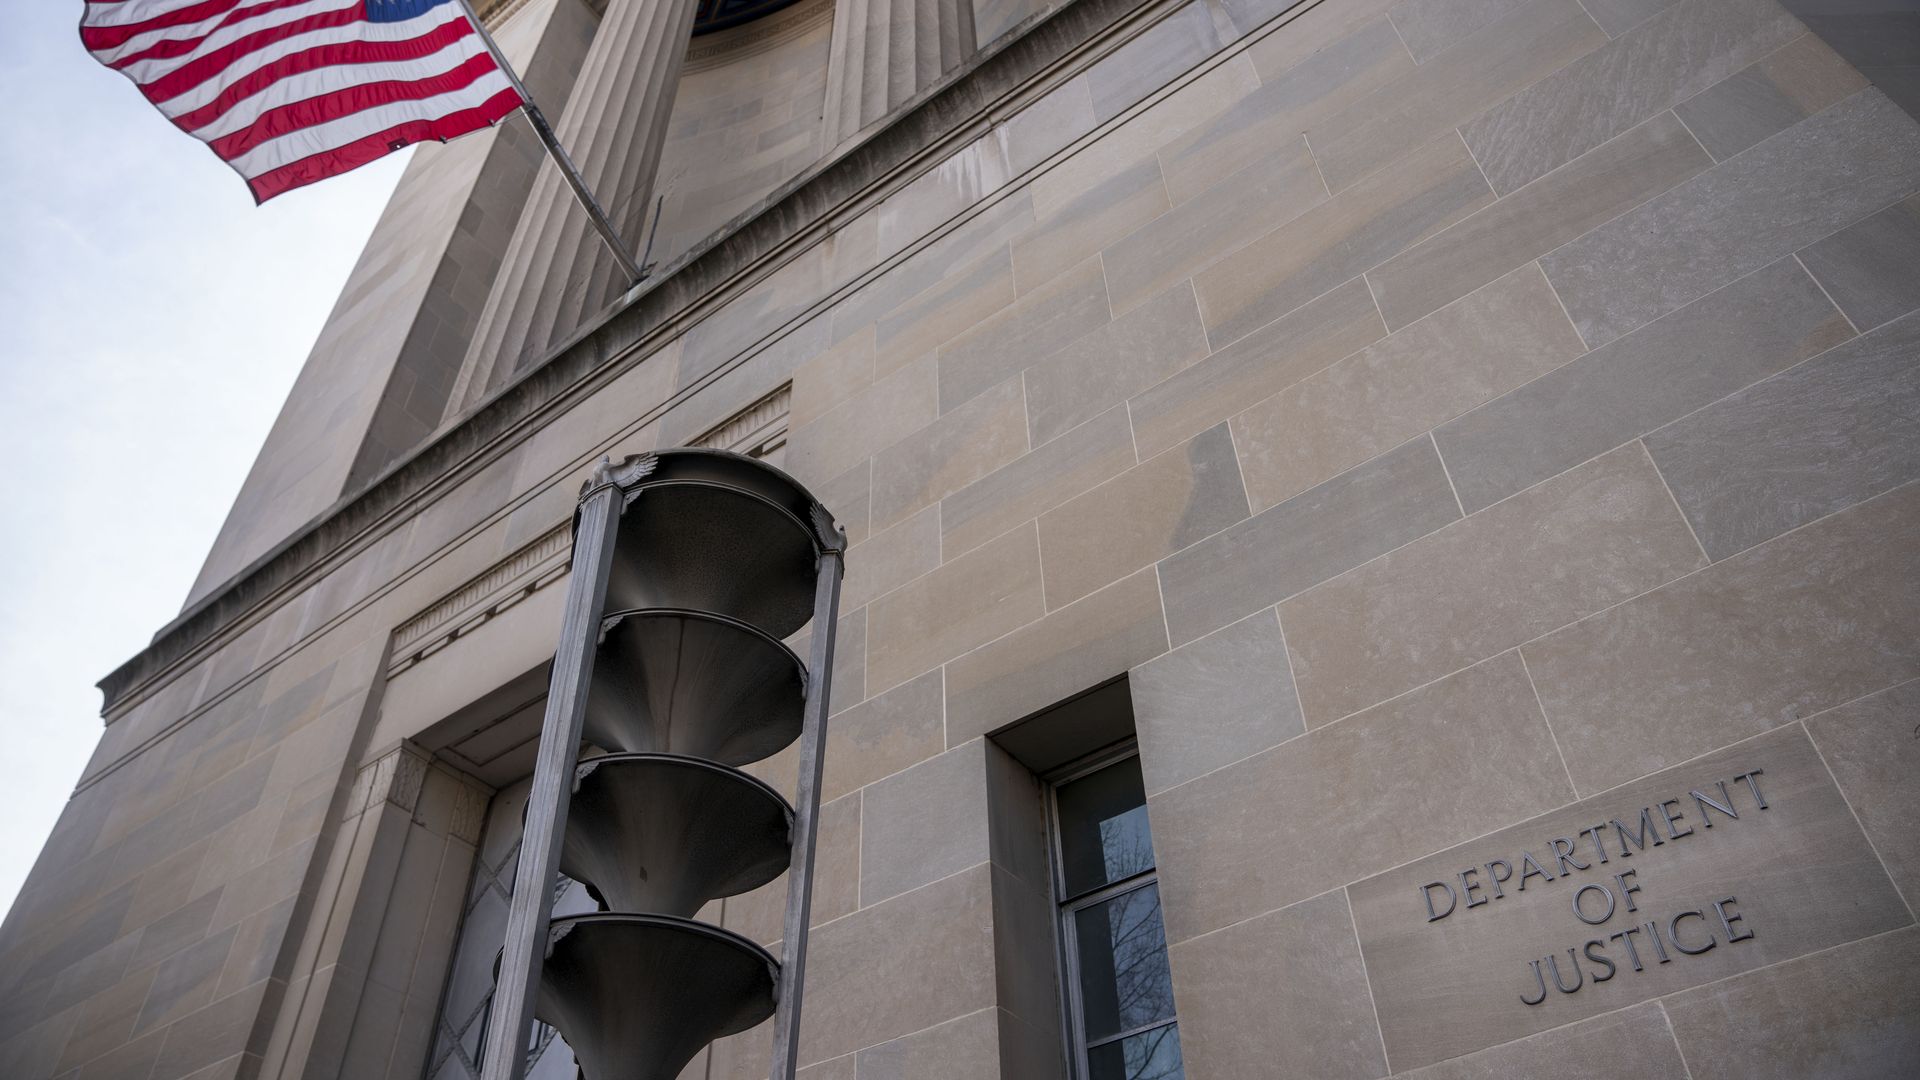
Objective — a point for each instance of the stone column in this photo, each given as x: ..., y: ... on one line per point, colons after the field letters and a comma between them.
x: 557, y: 271
x: 886, y: 51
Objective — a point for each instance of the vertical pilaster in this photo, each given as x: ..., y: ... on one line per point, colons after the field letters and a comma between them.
x: 886, y: 51
x: 557, y: 271
x: 394, y: 897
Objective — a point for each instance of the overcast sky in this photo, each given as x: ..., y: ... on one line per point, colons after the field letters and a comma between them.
x: 151, y: 321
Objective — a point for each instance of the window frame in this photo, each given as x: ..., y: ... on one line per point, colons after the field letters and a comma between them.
x: 1067, y: 908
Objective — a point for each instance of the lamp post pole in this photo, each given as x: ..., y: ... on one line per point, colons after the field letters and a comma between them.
x: 596, y: 527
x: 813, y: 733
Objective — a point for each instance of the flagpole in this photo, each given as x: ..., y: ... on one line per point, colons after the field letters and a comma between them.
x: 601, y: 223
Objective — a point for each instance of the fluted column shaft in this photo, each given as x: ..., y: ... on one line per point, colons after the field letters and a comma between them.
x: 886, y: 51
x: 557, y: 271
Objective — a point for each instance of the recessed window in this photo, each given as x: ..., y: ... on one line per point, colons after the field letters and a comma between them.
x: 1119, y: 989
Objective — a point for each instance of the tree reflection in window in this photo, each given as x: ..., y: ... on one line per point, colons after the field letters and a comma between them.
x: 1116, y: 945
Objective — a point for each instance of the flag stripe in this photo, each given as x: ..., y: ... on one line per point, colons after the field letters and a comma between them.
x: 111, y: 43
x: 288, y: 92
x: 95, y: 34
x: 171, y: 56
x: 209, y: 101
x: 353, y: 155
x: 229, y: 63
x: 311, y: 115
x: 158, y: 56
x: 329, y: 82
x: 344, y: 130
x: 134, y: 12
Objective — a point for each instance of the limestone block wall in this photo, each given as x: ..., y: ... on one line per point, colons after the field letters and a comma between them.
x: 1284, y: 396
x: 1462, y: 424
x: 152, y: 937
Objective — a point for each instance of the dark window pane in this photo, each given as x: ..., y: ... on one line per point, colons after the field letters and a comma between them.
x: 1150, y: 1055
x: 1123, y: 964
x: 1103, y: 828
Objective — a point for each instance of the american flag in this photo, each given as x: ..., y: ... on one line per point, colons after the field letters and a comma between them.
x: 293, y: 91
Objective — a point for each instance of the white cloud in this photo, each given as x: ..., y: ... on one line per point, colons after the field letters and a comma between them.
x: 154, y: 319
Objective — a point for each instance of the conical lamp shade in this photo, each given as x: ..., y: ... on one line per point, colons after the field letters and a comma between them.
x: 712, y: 531
x: 686, y: 682
x: 665, y: 834
x: 637, y: 996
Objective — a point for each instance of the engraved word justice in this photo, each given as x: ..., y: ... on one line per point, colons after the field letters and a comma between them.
x: 1686, y: 933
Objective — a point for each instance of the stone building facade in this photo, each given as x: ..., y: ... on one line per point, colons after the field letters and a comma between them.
x: 1449, y: 468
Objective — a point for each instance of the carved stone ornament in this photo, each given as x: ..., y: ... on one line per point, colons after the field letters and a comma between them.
x: 469, y: 816
x: 584, y: 770
x: 395, y: 777
x: 631, y: 470
x: 831, y: 537
x: 556, y: 931
x: 486, y: 596
x: 607, y: 625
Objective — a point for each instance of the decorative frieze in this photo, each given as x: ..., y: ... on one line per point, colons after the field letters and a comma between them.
x: 395, y: 777
x: 468, y: 818
x: 499, y: 587
x: 756, y: 430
